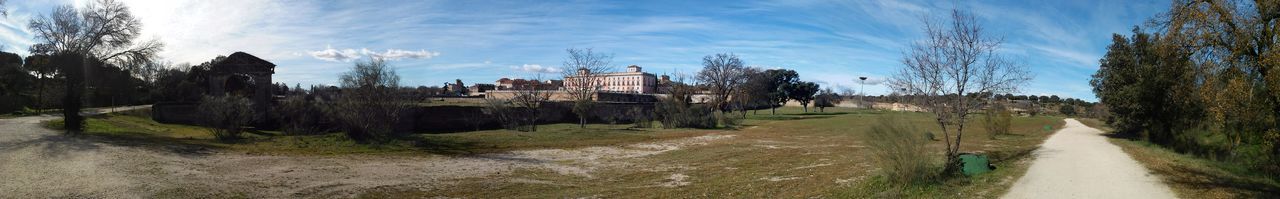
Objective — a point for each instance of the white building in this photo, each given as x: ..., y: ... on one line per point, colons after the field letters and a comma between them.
x: 631, y: 81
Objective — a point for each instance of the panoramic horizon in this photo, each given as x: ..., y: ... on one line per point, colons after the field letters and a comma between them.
x: 650, y: 99
x: 434, y: 42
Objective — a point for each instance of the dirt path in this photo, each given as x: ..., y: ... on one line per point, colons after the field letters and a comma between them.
x: 1078, y: 162
x: 38, y: 163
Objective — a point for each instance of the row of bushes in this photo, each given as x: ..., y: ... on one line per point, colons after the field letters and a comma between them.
x: 304, y: 115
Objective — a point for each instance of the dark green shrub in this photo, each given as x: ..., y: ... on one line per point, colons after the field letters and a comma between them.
x: 226, y: 116
x: 684, y: 115
x: 640, y: 118
x: 300, y: 116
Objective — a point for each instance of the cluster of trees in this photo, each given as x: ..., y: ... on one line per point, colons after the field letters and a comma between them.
x: 730, y: 84
x: 1207, y: 84
x: 90, y: 54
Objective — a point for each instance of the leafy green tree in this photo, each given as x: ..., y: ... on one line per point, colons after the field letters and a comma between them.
x: 1147, y: 85
x: 826, y: 98
x: 1067, y: 109
x: 100, y: 32
x: 777, y: 81
x: 13, y: 79
x: 45, y: 74
x: 802, y: 92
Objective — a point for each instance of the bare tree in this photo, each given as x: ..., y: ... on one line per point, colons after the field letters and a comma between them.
x: 583, y: 78
x: 369, y: 108
x: 724, y: 74
x: 529, y: 100
x: 954, y: 59
x: 3, y: 11
x: 103, y: 30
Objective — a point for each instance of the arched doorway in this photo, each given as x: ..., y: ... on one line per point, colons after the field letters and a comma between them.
x: 240, y: 85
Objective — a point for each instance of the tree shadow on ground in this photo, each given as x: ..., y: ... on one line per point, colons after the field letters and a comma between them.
x: 819, y: 113
x: 448, y: 147
x: 52, y: 146
x: 1008, y: 155
x: 186, y: 147
x: 1248, y: 188
x: 786, y: 117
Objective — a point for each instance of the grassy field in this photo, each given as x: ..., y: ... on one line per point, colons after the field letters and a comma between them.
x: 1195, y: 177
x: 136, y: 128
x: 789, y: 155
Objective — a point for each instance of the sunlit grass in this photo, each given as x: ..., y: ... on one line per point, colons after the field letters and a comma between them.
x: 791, y: 154
x: 137, y: 128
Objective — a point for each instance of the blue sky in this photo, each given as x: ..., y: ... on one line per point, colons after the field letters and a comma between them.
x: 432, y: 42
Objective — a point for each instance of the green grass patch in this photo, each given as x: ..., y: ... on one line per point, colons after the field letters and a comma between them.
x: 136, y: 128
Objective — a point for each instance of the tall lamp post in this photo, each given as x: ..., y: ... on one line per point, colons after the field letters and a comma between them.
x: 863, y: 90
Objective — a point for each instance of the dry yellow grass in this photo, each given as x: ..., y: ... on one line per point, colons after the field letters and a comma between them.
x: 785, y: 156
x: 790, y: 155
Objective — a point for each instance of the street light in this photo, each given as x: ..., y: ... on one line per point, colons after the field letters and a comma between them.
x: 863, y: 90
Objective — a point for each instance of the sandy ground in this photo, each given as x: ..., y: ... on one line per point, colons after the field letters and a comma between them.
x: 1078, y: 162
x: 37, y: 163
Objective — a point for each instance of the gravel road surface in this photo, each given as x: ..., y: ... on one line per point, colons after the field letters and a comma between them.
x: 1079, y: 162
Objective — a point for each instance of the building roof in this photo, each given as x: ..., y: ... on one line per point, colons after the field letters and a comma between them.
x: 242, y: 62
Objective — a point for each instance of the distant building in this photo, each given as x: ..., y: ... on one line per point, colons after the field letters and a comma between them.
x: 632, y: 81
x: 517, y: 84
x: 455, y: 89
x: 481, y: 88
x: 664, y: 85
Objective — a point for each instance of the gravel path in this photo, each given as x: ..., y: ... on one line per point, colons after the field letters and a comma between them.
x: 35, y: 161
x: 1078, y: 162
x: 39, y: 163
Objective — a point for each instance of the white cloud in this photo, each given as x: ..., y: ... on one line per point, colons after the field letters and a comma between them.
x: 330, y: 54
x: 396, y: 54
x: 196, y: 31
x: 535, y: 68
x: 343, y: 55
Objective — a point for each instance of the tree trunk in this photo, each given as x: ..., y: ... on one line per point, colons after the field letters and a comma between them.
x: 950, y: 165
x: 40, y: 94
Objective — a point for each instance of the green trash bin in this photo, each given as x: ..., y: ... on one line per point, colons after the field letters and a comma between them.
x: 974, y: 164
